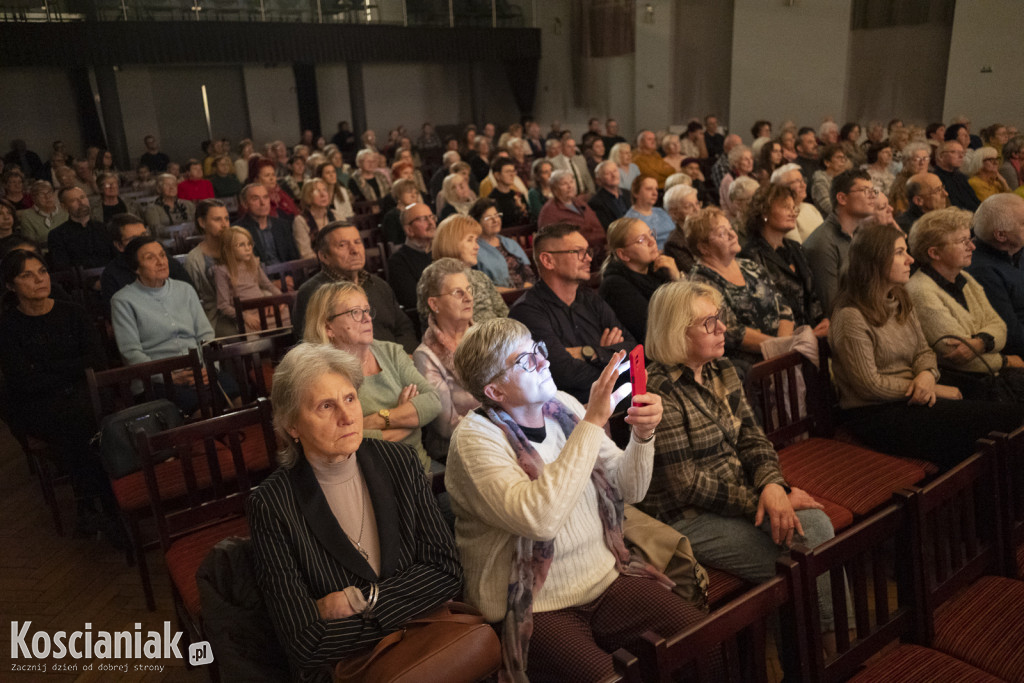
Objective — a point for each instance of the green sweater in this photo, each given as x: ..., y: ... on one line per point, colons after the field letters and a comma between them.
x: 382, y: 390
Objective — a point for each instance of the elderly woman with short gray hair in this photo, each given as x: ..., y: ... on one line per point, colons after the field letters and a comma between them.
x: 538, y: 490
x: 958, y: 321
x: 349, y: 543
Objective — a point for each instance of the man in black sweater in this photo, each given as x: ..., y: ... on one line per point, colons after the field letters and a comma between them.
x: 407, y: 264
x: 79, y: 241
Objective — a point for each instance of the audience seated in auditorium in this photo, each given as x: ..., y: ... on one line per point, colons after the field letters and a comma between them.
x: 915, y: 159
x: 807, y: 149
x: 565, y: 206
x: 45, y: 346
x: 717, y: 478
x: 644, y: 193
x: 681, y: 202
x: 741, y: 163
x: 264, y: 173
x: 156, y: 317
x: 457, y: 237
x: 999, y: 235
x: 610, y: 201
x: 1012, y: 168
x: 456, y: 195
x: 885, y: 372
x: 754, y: 309
x: 622, y: 156
x: 853, y: 197
x: 879, y: 162
x: 541, y: 170
x: 534, y: 464
x: 808, y: 218
x: 647, y: 159
x: 167, y: 210
x: 342, y: 256
x: 924, y: 193
x: 631, y: 272
x: 570, y: 160
x: 510, y: 201
x: 741, y: 191
x: 195, y: 187
x: 211, y: 222
x: 948, y: 159
x: 10, y: 223
x: 835, y: 161
x: 714, y: 141
x: 771, y: 218
x: 46, y: 213
x: 79, y: 241
x: 963, y: 329
x: 445, y: 301
x: 407, y: 263
x: 110, y: 203
x: 986, y: 180
x: 448, y: 159
x: 153, y: 158
x: 315, y: 201
x: 224, y: 181
x: 611, y: 137
x: 120, y: 272
x: 500, y: 258
x: 391, y: 557
x: 579, y: 328
x: 14, y: 189
x: 397, y: 402
x: 341, y: 200
x: 240, y: 275
x: 271, y: 237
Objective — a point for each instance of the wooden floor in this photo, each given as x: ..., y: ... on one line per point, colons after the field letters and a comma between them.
x: 63, y: 583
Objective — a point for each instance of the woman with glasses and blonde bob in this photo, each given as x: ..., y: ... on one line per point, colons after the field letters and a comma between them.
x: 538, y: 490
x: 956, y: 317
x: 885, y: 372
x: 457, y: 238
x: 632, y: 270
x: 500, y: 257
x: 397, y: 401
x: 754, y: 310
x: 716, y: 477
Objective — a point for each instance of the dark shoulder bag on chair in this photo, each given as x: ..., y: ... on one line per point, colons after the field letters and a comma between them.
x: 452, y: 644
x: 117, y: 434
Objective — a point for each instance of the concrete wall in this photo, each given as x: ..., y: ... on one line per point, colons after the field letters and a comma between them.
x: 703, y: 59
x: 273, y: 107
x: 38, y: 106
x: 789, y: 61
x: 986, y: 35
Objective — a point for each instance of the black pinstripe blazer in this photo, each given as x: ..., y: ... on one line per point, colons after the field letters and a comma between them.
x: 302, y: 554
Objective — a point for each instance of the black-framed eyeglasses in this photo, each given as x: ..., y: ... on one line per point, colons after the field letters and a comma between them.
x: 530, y: 360
x: 710, y: 323
x: 358, y: 314
x: 581, y: 254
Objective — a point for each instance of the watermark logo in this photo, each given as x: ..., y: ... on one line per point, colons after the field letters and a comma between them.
x: 200, y: 653
x: 88, y: 644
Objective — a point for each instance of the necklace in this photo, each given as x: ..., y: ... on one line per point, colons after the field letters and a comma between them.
x: 362, y: 522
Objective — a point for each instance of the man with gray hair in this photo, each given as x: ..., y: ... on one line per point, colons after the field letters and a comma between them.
x: 998, y: 226
x: 566, y: 207
x: 609, y: 202
x: 948, y: 161
x: 44, y: 215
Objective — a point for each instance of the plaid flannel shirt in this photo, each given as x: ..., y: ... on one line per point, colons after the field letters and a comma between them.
x: 696, y: 467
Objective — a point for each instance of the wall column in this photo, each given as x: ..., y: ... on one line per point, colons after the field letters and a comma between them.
x: 357, y: 97
x: 113, y: 121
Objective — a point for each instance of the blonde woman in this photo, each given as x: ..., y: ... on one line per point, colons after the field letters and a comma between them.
x: 457, y: 238
x: 458, y: 196
x: 240, y: 274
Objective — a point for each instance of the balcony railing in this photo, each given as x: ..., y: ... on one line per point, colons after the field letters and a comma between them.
x: 436, y: 13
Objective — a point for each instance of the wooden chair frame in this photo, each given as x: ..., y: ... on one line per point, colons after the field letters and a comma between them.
x: 260, y: 304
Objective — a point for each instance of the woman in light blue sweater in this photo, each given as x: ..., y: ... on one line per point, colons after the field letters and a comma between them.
x: 156, y: 317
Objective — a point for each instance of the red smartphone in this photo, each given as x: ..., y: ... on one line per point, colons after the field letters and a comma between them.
x: 637, y: 371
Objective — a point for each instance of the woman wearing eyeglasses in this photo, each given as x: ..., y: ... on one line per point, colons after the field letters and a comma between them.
x: 538, y: 490
x: 501, y: 258
x: 632, y: 271
x: 773, y: 215
x: 754, y: 310
x: 716, y: 476
x: 445, y: 301
x: 457, y: 238
x: 397, y: 401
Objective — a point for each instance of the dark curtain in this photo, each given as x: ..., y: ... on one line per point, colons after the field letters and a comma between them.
x: 522, y: 77
x: 85, y: 104
x: 309, y: 100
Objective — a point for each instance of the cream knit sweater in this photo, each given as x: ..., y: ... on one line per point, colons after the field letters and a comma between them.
x: 495, y: 502
x: 940, y: 314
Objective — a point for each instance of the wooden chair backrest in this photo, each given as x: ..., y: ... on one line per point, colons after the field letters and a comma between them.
x: 260, y: 304
x: 117, y: 388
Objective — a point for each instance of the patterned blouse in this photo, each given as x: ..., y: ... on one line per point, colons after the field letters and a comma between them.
x: 791, y: 274
x: 757, y: 304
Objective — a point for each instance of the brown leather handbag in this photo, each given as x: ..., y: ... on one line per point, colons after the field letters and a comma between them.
x: 452, y: 644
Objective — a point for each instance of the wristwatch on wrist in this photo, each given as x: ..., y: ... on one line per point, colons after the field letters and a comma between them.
x: 386, y: 414
x: 588, y: 353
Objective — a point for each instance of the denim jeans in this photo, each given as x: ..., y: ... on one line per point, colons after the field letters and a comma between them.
x: 735, y: 545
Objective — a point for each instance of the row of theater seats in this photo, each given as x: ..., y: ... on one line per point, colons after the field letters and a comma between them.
x: 955, y: 548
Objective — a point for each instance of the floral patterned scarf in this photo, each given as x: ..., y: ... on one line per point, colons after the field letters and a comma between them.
x: 531, y: 559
